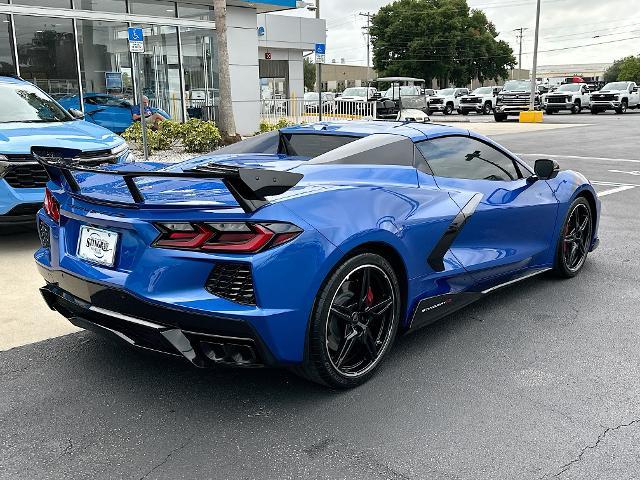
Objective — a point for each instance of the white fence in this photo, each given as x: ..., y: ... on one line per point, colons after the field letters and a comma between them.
x: 305, y: 111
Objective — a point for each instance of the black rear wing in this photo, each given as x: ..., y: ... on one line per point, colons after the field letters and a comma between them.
x: 249, y: 186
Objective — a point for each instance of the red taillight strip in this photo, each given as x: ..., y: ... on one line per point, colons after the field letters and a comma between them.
x: 51, y: 206
x: 260, y: 239
x: 251, y: 238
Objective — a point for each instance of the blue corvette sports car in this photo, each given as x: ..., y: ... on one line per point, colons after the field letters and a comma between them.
x: 310, y: 247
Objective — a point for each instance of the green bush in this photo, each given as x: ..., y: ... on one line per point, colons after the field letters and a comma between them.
x: 199, y: 136
x: 268, y: 126
x: 196, y: 136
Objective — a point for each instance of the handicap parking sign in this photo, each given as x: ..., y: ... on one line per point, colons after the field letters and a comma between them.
x: 136, y: 39
x: 321, y: 48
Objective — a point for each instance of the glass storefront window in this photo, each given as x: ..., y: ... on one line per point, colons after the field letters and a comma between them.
x: 195, y: 12
x: 114, y: 6
x: 46, y: 51
x: 161, y: 70
x: 45, y: 3
x: 6, y: 55
x: 201, y: 77
x: 158, y: 8
x: 105, y: 65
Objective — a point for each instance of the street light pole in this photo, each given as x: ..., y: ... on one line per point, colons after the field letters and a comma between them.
x: 534, y: 71
x: 319, y: 72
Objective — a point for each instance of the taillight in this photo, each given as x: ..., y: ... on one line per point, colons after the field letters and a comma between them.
x: 51, y: 206
x: 225, y: 237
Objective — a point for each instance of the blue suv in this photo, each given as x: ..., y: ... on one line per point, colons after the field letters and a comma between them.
x: 29, y: 117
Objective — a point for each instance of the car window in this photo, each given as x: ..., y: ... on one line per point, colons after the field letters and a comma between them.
x: 116, y: 102
x: 377, y: 149
x: 311, y: 145
x: 468, y: 158
x: 23, y: 102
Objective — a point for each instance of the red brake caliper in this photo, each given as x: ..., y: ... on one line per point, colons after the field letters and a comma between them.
x: 369, y: 300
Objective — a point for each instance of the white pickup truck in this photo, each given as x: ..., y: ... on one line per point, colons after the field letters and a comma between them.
x: 446, y: 100
x: 481, y: 100
x: 616, y: 96
x: 570, y: 96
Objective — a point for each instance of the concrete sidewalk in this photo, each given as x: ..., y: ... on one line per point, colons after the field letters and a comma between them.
x: 24, y: 317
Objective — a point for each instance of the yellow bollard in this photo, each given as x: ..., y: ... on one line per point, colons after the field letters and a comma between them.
x: 531, y: 117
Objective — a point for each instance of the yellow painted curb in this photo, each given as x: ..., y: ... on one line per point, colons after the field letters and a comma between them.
x: 531, y: 117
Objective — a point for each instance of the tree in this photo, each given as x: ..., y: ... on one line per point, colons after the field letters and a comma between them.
x: 624, y: 70
x: 612, y: 73
x: 630, y: 70
x: 227, y: 122
x: 442, y: 39
x: 309, y: 75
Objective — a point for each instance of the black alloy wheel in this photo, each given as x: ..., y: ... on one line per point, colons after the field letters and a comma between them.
x: 486, y: 110
x: 575, y: 239
x: 354, y: 322
x: 448, y: 109
x: 575, y: 108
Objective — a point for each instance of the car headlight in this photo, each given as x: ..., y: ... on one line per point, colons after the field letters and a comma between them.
x: 499, y: 100
x: 123, y: 147
x: 616, y: 97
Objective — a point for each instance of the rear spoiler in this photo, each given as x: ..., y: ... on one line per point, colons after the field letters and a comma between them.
x: 249, y: 186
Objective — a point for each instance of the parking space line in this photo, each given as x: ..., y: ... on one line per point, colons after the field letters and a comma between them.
x: 615, y: 190
x: 543, y: 155
x: 635, y: 172
x: 614, y: 184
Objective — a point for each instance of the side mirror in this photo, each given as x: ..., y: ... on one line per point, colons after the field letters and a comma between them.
x: 76, y: 113
x: 546, y: 169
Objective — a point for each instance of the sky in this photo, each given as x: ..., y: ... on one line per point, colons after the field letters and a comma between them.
x: 563, y: 24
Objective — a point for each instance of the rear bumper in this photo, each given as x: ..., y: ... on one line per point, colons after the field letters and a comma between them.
x: 201, y: 339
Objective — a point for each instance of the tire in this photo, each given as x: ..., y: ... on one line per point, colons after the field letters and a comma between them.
x: 499, y: 117
x: 346, y: 345
x: 486, y: 110
x: 574, y: 239
x: 448, y: 109
x: 576, y: 108
x: 622, y: 108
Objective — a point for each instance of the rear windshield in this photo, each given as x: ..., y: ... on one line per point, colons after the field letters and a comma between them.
x: 309, y: 145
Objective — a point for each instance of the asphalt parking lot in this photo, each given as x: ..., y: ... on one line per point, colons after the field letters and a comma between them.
x: 536, y: 381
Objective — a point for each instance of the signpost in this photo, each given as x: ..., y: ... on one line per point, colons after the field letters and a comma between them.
x: 136, y: 46
x: 321, y: 50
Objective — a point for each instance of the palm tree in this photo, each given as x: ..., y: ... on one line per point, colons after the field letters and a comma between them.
x: 227, y: 122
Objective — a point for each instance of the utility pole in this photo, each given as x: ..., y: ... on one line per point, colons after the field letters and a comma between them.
x: 368, y: 33
x: 534, y: 71
x: 519, y: 37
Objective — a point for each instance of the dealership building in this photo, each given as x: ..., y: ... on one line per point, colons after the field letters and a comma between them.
x: 79, y: 47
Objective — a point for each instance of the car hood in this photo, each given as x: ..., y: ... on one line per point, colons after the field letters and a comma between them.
x: 18, y: 138
x: 171, y: 191
x: 611, y: 91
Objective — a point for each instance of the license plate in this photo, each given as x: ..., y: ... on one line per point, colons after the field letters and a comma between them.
x: 97, y: 245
